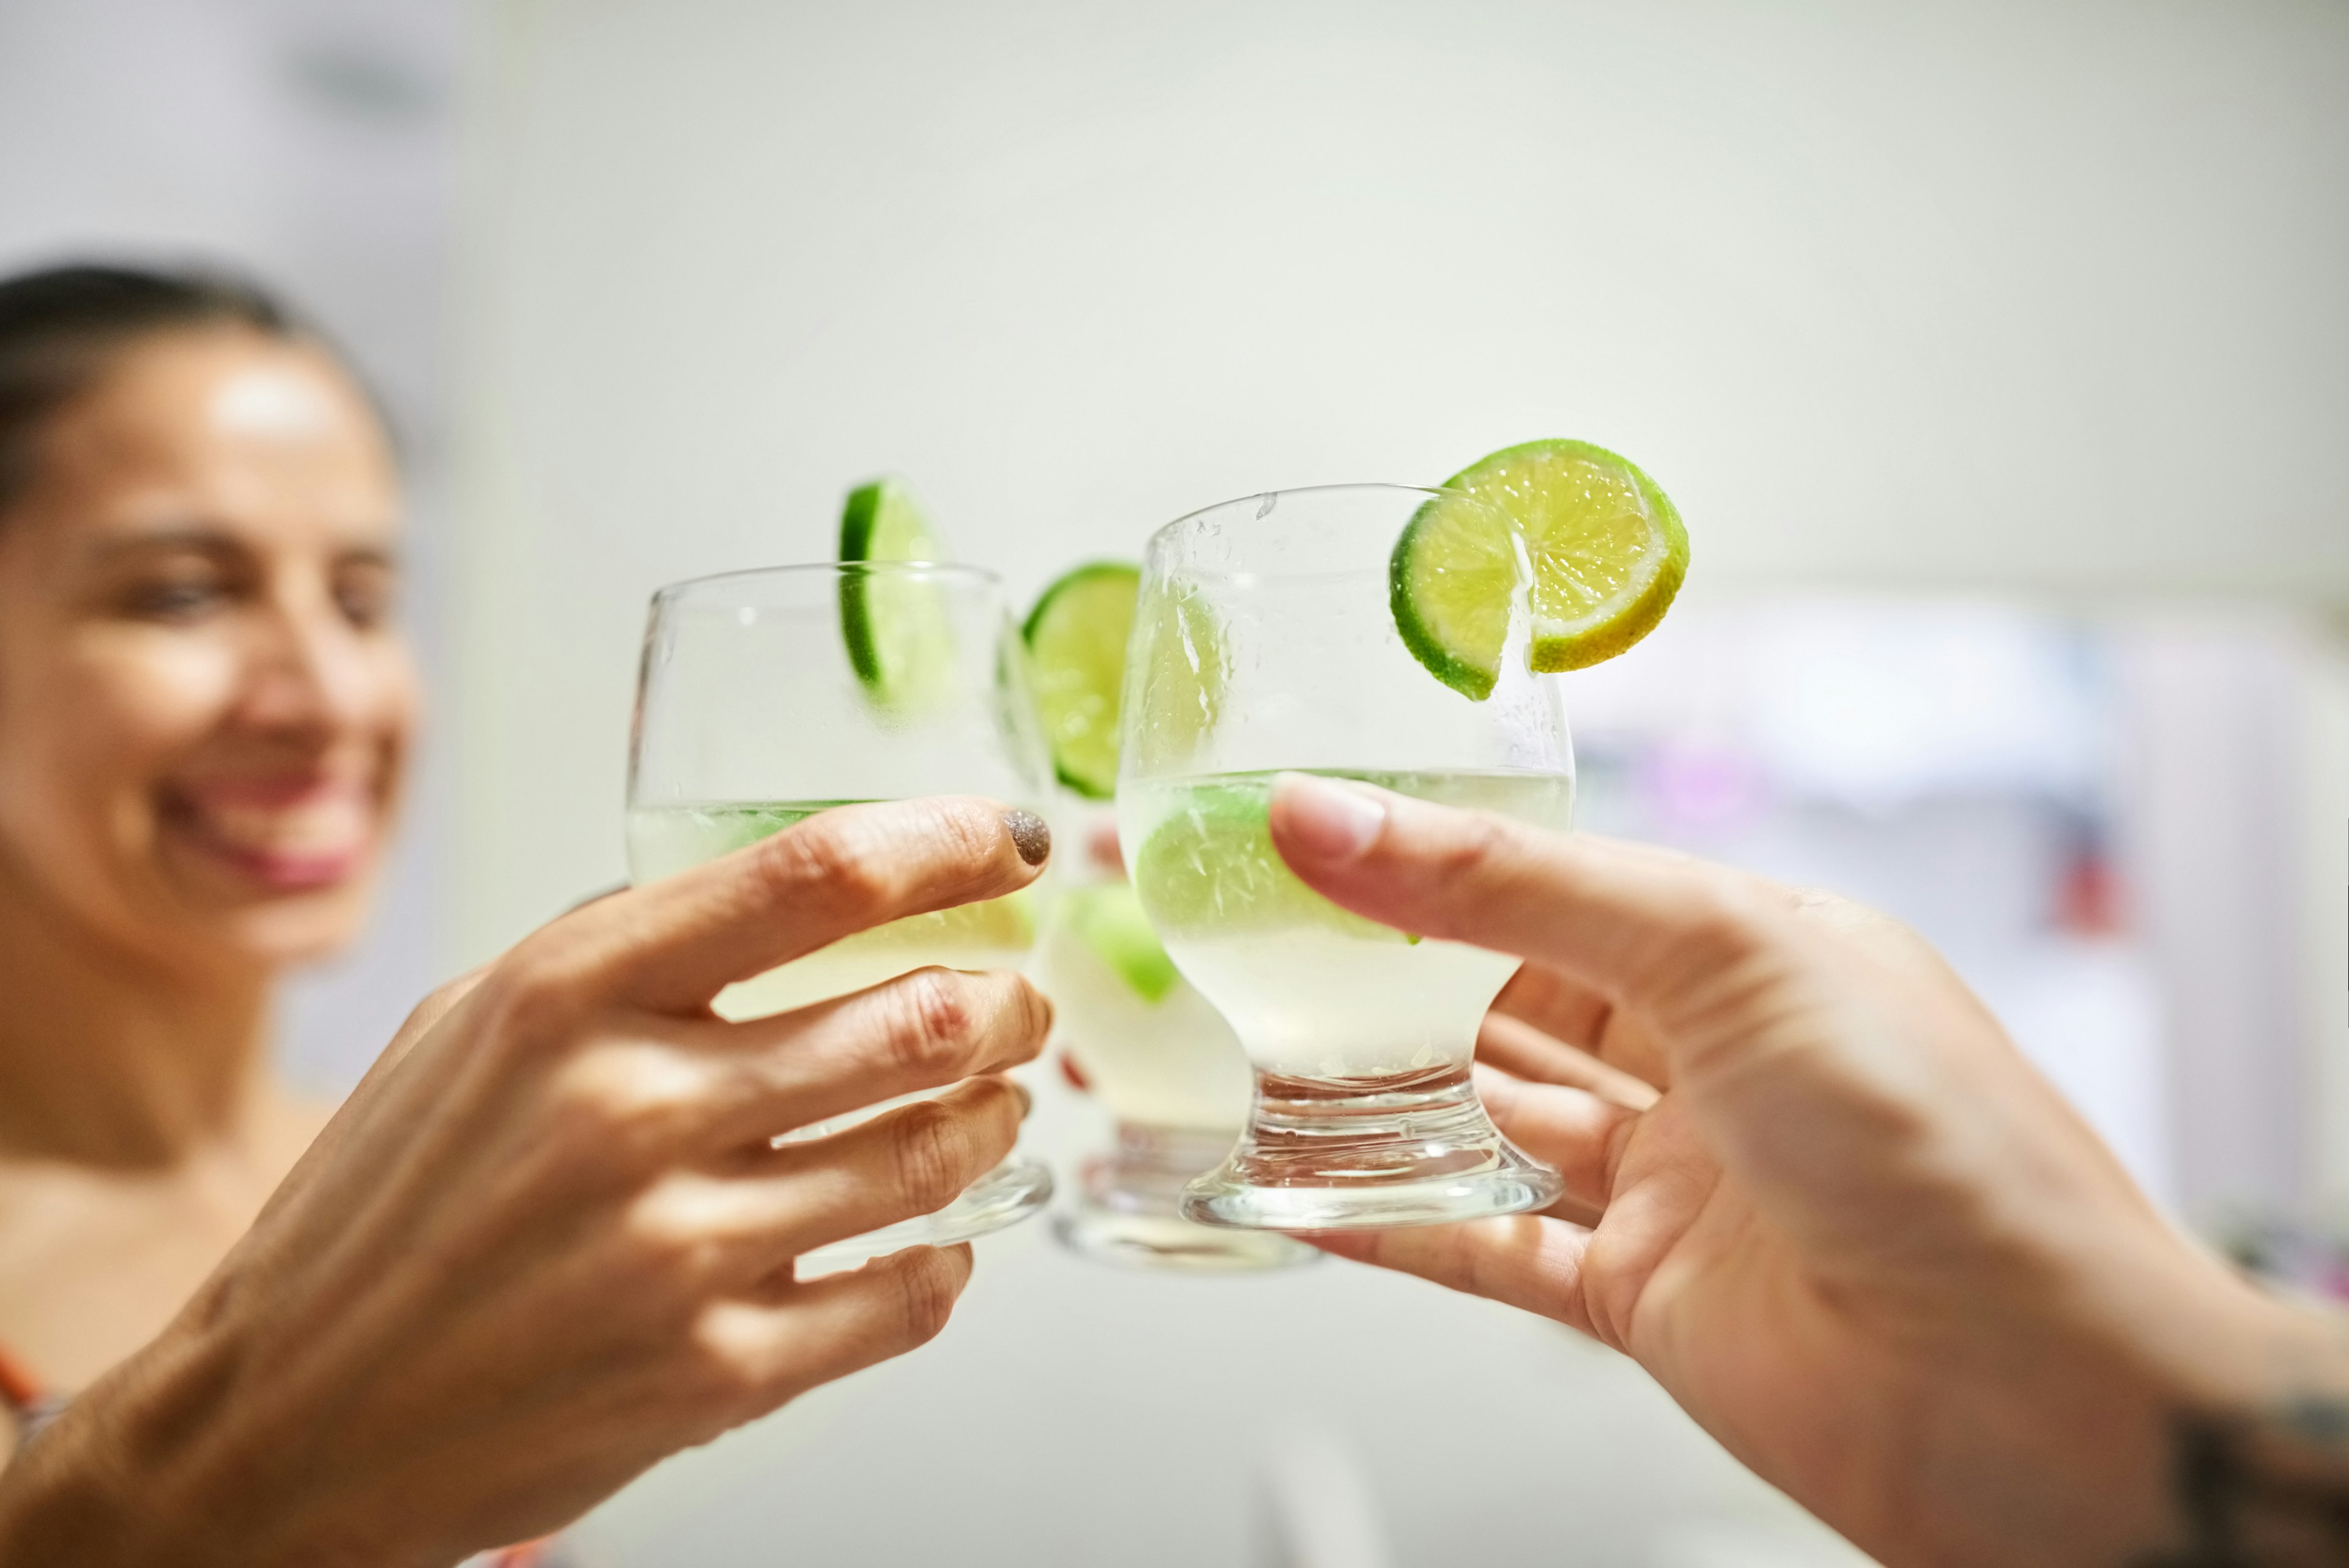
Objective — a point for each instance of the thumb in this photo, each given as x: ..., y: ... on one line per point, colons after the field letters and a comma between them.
x: 1637, y: 925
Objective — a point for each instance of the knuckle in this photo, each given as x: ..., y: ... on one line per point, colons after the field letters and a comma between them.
x: 727, y: 1360
x: 938, y: 1017
x: 1035, y: 1018
x: 536, y: 1002
x: 928, y: 1283
x: 821, y: 859
x: 630, y: 1103
x: 1479, y: 846
x: 669, y: 1232
x: 929, y: 1155
x: 1726, y: 917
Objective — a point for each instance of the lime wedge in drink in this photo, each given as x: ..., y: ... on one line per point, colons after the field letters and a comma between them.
x: 1109, y: 921
x: 900, y: 640
x: 1210, y: 868
x: 1076, y: 639
x: 1606, y: 549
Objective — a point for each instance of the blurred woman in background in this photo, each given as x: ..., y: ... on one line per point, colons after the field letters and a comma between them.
x: 205, y: 707
x: 206, y: 704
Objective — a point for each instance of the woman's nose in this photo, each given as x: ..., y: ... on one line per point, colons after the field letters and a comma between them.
x: 309, y: 672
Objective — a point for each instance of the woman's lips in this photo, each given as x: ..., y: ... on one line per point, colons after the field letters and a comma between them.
x: 288, y: 834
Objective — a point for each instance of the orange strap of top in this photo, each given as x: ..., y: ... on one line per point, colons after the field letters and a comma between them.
x: 18, y: 1388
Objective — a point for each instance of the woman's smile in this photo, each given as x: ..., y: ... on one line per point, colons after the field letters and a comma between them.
x: 282, y: 832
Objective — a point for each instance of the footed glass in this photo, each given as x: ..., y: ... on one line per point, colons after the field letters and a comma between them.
x: 1265, y: 642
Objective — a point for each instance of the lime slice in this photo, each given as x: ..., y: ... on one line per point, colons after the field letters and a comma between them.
x: 1450, y: 579
x: 881, y: 522
x: 1076, y: 640
x: 900, y: 638
x: 1109, y: 921
x: 1210, y: 869
x: 1606, y: 548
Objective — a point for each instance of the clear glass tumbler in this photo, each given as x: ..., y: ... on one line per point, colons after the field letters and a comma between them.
x: 767, y: 696
x: 1265, y: 641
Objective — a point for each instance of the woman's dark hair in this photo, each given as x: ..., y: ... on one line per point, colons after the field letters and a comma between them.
x: 62, y: 328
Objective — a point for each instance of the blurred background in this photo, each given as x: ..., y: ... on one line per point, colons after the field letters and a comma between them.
x: 1997, y: 355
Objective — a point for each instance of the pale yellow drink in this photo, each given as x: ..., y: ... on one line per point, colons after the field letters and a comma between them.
x: 1149, y: 1046
x: 1313, y: 991
x: 996, y: 934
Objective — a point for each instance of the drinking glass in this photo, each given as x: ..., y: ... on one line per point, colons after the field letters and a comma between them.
x: 767, y: 696
x: 1168, y: 1070
x: 1265, y: 641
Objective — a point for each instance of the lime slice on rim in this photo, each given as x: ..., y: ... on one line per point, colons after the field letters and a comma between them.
x: 1076, y: 639
x: 900, y: 639
x: 1606, y: 549
x: 883, y: 522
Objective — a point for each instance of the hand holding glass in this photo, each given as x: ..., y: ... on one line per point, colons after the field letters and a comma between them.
x: 767, y: 696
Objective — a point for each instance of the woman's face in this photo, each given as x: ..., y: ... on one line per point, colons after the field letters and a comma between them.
x: 204, y: 701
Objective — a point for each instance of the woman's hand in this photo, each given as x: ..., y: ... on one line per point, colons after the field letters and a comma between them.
x: 548, y: 1241
x: 1820, y: 1196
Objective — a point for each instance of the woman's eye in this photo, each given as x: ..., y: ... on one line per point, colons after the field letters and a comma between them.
x: 366, y: 597
x: 179, y: 600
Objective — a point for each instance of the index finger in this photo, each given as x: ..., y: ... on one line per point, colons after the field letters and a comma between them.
x: 1644, y: 929
x: 673, y: 945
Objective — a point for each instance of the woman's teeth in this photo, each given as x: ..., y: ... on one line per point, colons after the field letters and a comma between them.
x: 314, y: 825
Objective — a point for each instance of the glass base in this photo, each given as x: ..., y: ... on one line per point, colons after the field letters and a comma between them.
x: 1127, y: 1210
x: 1003, y: 1197
x: 1357, y: 1154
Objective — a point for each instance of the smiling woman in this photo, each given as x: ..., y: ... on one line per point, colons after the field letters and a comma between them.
x: 234, y: 1330
x: 204, y: 699
x: 205, y: 704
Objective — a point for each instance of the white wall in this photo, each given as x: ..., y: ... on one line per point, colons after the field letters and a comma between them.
x: 2035, y: 295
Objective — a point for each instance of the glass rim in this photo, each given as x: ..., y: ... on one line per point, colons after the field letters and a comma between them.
x: 1429, y: 491
x: 1317, y: 490
x: 798, y: 570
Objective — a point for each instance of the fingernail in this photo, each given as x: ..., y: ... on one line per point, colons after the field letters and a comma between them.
x: 1326, y: 820
x: 1029, y: 836
x: 1027, y: 1100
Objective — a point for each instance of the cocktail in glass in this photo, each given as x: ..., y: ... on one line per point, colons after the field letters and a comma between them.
x: 1265, y: 641
x: 765, y: 697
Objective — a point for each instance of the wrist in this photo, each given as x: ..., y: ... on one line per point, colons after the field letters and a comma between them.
x: 67, y: 1496
x: 2215, y: 1370
x: 142, y: 1467
x: 2051, y: 1428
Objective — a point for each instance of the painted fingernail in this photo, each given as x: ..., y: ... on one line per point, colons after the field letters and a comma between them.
x: 1029, y: 836
x: 1327, y: 821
